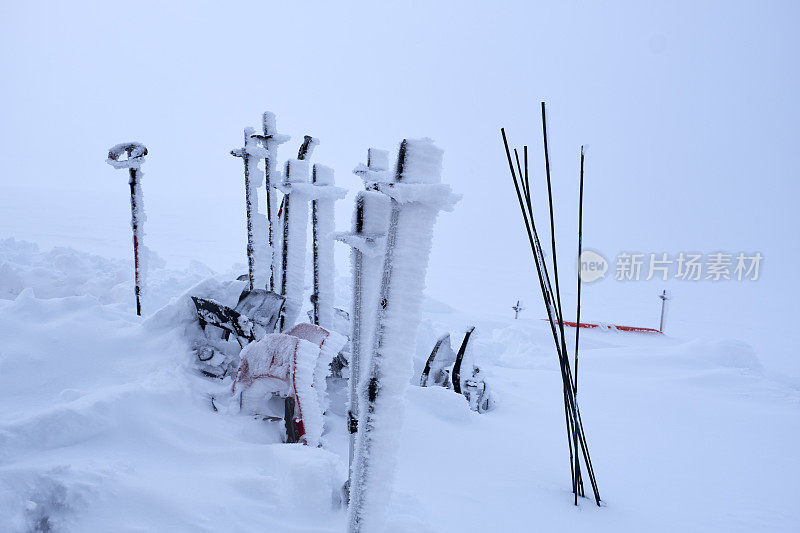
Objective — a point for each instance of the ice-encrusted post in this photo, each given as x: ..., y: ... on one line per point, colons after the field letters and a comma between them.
x: 258, y: 255
x: 367, y: 240
x: 322, y: 226
x: 297, y: 192
x: 417, y: 196
x: 271, y: 139
x: 135, y: 157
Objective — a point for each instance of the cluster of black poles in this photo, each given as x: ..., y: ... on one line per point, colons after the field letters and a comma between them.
x: 576, y: 438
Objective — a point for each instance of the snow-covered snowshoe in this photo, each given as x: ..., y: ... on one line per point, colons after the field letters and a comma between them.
x: 437, y: 368
x: 477, y: 392
x: 464, y: 378
x: 459, y: 360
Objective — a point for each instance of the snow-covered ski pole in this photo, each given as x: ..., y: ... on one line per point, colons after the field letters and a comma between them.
x: 322, y: 226
x: 367, y: 240
x: 242, y: 152
x: 257, y: 255
x: 135, y: 157
x: 297, y: 192
x: 417, y: 196
x: 271, y: 139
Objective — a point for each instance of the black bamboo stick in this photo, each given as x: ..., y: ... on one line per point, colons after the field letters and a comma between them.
x: 575, y: 433
x: 531, y: 231
x: 580, y: 267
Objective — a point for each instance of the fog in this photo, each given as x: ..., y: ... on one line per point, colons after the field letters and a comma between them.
x: 689, y: 111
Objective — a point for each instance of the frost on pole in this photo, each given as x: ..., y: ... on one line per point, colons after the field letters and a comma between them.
x: 298, y: 191
x: 259, y: 253
x: 271, y: 139
x: 368, y: 240
x: 322, y: 226
x: 416, y: 196
x: 134, y: 157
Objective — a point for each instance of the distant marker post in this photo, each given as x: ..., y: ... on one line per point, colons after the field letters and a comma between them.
x: 664, y: 299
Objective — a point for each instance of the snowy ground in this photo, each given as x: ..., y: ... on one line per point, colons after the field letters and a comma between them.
x: 104, y: 426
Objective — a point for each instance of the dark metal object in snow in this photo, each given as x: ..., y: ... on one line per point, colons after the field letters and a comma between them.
x: 135, y: 153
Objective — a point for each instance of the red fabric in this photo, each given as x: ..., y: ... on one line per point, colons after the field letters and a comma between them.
x: 590, y: 325
x: 245, y: 377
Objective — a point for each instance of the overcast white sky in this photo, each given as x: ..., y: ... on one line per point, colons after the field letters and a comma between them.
x: 689, y: 108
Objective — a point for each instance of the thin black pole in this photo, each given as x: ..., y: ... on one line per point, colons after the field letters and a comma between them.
x: 577, y: 475
x: 540, y: 270
x: 133, y: 182
x: 527, y: 180
x: 574, y: 424
x: 580, y: 266
x: 519, y: 169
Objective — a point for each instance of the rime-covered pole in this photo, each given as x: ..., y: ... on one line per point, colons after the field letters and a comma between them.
x: 297, y: 192
x: 271, y: 139
x: 135, y: 153
x: 258, y: 253
x: 322, y: 227
x: 367, y: 240
x: 416, y: 196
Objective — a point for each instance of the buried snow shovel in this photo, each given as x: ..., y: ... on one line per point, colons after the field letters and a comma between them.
x: 255, y: 315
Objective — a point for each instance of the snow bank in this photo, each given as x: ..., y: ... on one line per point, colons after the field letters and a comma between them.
x: 60, y: 272
x: 105, y: 424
